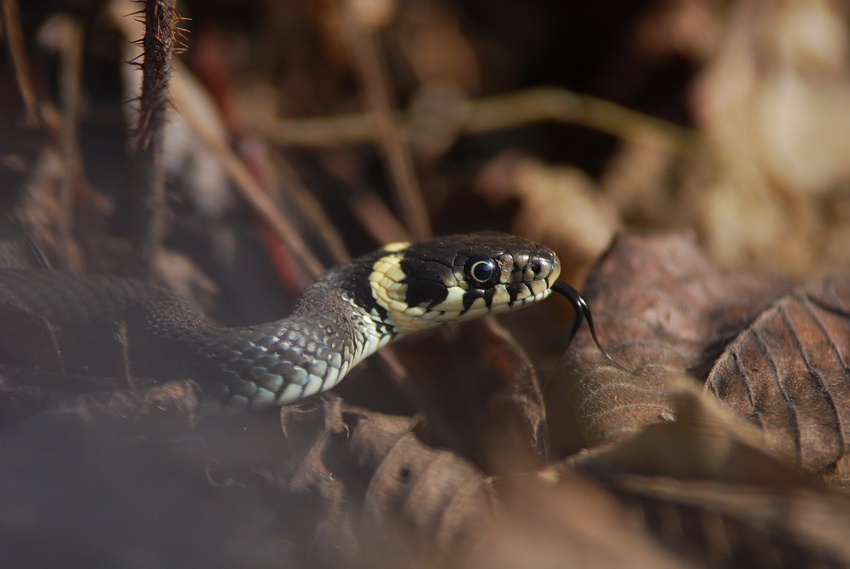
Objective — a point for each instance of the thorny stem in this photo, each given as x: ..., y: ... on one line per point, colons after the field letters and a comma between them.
x: 160, y: 17
x: 191, y: 99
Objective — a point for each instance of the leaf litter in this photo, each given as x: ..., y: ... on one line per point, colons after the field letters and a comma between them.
x: 720, y: 445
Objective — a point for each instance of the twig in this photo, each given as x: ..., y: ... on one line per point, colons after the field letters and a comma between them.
x: 160, y: 18
x: 192, y: 100
x: 374, y: 215
x: 565, y: 106
x: 493, y: 114
x: 71, y: 53
x: 12, y: 18
x: 371, y: 68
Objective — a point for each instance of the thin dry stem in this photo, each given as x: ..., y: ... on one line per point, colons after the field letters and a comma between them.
x: 12, y: 19
x: 497, y: 113
x: 71, y: 73
x: 371, y: 69
x: 191, y: 99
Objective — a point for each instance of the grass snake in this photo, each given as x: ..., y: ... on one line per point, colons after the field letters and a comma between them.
x: 340, y: 319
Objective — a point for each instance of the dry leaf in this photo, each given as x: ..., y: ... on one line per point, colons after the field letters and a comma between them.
x: 574, y: 522
x: 378, y: 495
x: 702, y: 441
x: 773, y: 105
x: 779, y: 361
x: 787, y: 372
x: 662, y: 310
x: 704, y: 485
x: 481, y: 397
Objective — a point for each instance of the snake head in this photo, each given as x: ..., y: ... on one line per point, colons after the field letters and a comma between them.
x: 430, y: 283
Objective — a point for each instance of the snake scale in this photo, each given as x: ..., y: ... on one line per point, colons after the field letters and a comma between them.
x: 340, y: 319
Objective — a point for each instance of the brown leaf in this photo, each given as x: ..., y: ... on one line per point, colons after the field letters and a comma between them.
x: 573, y: 522
x: 358, y: 488
x: 726, y: 525
x: 430, y: 499
x: 779, y: 361
x: 702, y: 441
x: 481, y: 396
x: 704, y: 486
x: 662, y: 310
x: 787, y: 372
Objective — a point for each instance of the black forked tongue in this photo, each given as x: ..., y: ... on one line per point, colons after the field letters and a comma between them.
x: 582, y: 313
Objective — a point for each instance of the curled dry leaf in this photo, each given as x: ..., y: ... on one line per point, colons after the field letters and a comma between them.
x: 568, y: 522
x: 775, y: 354
x: 704, y: 442
x: 705, y: 486
x: 724, y: 525
x: 662, y: 310
x: 481, y: 398
x: 376, y: 493
x: 788, y: 373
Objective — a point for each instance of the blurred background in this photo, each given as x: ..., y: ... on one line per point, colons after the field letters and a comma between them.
x: 564, y: 122
x: 301, y: 132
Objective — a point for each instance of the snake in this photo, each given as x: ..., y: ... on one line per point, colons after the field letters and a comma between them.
x: 341, y: 318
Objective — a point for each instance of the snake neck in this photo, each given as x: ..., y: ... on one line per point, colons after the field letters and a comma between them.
x: 344, y: 297
x: 309, y: 352
x: 351, y: 319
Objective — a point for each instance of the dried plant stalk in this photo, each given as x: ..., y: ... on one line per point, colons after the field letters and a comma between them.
x: 495, y: 113
x: 12, y: 20
x: 371, y: 68
x: 160, y: 19
x: 71, y: 77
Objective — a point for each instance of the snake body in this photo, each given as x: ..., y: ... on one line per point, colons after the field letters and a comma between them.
x: 340, y: 319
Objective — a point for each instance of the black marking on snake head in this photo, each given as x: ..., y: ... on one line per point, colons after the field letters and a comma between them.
x: 474, y: 294
x: 353, y: 278
x: 425, y: 282
x: 514, y: 289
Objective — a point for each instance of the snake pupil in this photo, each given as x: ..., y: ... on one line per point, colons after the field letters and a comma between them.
x: 482, y: 271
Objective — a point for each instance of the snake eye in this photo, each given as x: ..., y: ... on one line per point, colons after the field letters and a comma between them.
x: 481, y: 271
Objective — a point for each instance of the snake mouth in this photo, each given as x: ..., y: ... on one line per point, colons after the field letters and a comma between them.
x: 463, y: 303
x: 423, y: 319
